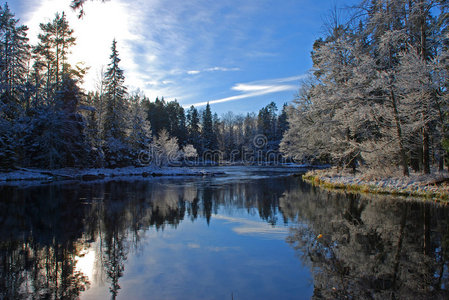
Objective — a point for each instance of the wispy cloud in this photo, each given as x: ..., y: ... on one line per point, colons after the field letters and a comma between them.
x: 222, y: 69
x: 177, y: 49
x: 257, y: 88
x: 248, y: 227
x: 214, y: 69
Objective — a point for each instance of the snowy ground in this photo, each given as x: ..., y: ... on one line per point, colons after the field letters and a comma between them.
x: 416, y: 183
x: 94, y: 174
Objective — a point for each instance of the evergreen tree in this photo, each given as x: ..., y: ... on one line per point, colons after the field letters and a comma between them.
x: 15, y: 54
x: 56, y: 136
x: 157, y: 115
x: 282, y: 123
x: 115, y: 119
x: 208, y: 136
x: 176, y: 121
x: 51, y: 57
x: 267, y: 121
x: 193, y: 127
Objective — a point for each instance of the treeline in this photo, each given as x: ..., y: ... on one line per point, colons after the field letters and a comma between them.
x: 377, y: 93
x: 46, y: 120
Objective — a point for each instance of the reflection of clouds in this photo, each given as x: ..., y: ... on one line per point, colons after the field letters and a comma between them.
x: 222, y: 249
x: 193, y: 246
x: 249, y: 227
x: 212, y: 248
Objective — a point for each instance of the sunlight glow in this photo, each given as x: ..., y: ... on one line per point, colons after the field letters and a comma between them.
x: 94, y: 32
x: 86, y: 263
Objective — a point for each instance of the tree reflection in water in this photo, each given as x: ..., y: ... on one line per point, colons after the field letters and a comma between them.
x: 370, y: 248
x: 357, y: 248
x: 45, y: 229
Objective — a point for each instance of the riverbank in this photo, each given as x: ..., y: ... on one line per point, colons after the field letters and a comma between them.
x: 30, y: 174
x: 433, y: 187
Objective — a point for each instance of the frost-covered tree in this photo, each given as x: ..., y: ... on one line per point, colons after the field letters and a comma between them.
x: 376, y: 96
x: 139, y: 126
x: 189, y: 152
x: 165, y: 149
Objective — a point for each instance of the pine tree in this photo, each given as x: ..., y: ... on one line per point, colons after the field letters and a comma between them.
x: 282, y: 123
x: 55, y: 137
x: 193, y: 127
x: 15, y: 54
x: 115, y: 119
x: 176, y: 121
x: 51, y: 56
x: 157, y: 115
x: 208, y: 135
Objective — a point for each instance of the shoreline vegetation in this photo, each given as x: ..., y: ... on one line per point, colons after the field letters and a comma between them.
x: 433, y: 186
x: 32, y: 174
x: 90, y: 174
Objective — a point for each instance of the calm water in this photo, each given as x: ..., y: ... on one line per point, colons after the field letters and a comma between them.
x: 254, y: 234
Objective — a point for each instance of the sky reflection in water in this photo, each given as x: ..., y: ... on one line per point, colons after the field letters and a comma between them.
x: 251, y: 236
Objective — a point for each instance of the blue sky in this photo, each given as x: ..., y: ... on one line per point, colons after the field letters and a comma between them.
x: 238, y: 55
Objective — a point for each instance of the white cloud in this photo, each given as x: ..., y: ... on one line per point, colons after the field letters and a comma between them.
x: 160, y: 48
x: 222, y: 69
x: 244, y: 87
x: 248, y: 227
x: 213, y: 69
x: 257, y: 88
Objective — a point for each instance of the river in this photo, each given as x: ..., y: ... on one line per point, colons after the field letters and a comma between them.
x: 255, y: 233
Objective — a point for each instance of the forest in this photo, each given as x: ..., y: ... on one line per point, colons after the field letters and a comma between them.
x: 48, y: 121
x: 376, y: 98
x: 377, y: 93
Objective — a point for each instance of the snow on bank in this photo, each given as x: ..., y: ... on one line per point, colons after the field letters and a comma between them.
x: 93, y: 174
x: 436, y: 185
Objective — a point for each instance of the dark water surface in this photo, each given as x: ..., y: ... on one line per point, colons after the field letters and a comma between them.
x: 254, y: 234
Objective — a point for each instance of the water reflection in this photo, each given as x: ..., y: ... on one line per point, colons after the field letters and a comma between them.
x: 46, y: 231
x: 58, y: 241
x: 360, y: 248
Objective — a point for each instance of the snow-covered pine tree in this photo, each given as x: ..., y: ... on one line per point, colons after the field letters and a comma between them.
x: 53, y: 130
x: 115, y: 123
x: 14, y: 56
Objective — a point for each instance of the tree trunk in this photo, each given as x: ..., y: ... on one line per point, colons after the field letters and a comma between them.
x: 402, y: 153
x: 426, y: 149
x: 425, y: 131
